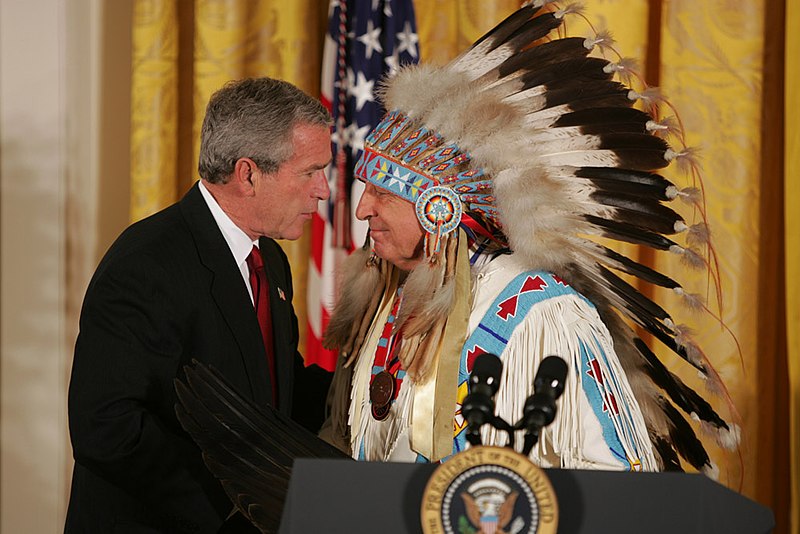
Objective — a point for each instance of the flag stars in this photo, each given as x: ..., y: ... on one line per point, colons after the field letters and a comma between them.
x: 356, y: 137
x: 392, y: 62
x: 387, y: 8
x: 407, y: 40
x: 371, y: 39
x: 362, y: 90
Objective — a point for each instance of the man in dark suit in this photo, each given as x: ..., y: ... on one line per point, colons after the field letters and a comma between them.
x: 183, y: 284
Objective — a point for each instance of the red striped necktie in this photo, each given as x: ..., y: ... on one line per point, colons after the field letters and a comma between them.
x: 260, y: 287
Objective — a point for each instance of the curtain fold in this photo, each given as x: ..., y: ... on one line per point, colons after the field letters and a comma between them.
x: 154, y: 107
x: 721, y: 64
x: 773, y: 479
x: 711, y: 70
x: 792, y: 217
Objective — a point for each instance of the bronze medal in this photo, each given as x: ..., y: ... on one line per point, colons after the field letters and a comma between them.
x: 381, y: 393
x: 380, y: 413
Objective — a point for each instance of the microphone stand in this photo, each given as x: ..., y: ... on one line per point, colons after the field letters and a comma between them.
x: 538, y: 412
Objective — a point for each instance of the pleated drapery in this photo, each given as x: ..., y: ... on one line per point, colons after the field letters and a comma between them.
x: 791, y: 202
x: 727, y: 68
x: 715, y: 68
x: 154, y: 107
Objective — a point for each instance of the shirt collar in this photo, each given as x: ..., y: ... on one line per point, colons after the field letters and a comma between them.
x: 239, y: 243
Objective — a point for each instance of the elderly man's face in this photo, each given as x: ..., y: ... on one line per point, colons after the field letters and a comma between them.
x: 394, y: 228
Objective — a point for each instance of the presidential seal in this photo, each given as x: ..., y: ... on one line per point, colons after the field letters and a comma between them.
x: 489, y: 490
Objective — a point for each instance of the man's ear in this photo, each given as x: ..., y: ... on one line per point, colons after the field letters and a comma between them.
x: 243, y: 175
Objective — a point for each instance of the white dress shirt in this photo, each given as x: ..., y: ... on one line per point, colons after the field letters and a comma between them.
x: 238, y: 242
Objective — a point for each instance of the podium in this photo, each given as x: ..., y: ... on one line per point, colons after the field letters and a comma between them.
x: 341, y: 496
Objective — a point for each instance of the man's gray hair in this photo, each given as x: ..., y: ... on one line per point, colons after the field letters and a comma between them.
x: 254, y: 118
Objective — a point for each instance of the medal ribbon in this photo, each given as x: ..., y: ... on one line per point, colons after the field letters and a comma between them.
x: 386, y: 374
x: 387, y: 342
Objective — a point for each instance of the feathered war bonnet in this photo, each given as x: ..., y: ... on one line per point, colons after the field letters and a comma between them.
x: 527, y: 139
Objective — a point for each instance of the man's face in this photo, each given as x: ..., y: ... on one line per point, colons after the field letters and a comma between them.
x: 286, y: 199
x: 394, y: 228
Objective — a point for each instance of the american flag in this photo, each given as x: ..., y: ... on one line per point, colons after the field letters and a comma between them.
x: 366, y: 41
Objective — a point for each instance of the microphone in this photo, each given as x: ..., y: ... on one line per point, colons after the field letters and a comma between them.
x: 540, y: 408
x: 478, y: 406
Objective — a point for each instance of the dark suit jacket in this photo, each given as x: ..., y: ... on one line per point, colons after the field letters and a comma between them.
x: 167, y: 291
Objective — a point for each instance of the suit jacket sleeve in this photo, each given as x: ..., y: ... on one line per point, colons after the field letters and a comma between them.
x: 121, y: 398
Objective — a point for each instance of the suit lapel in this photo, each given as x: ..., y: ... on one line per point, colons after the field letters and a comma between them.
x: 229, y: 292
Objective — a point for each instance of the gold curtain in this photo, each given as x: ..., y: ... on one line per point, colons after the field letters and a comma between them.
x: 721, y: 63
x: 154, y: 117
x: 792, y: 221
x: 712, y: 71
x: 720, y: 67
